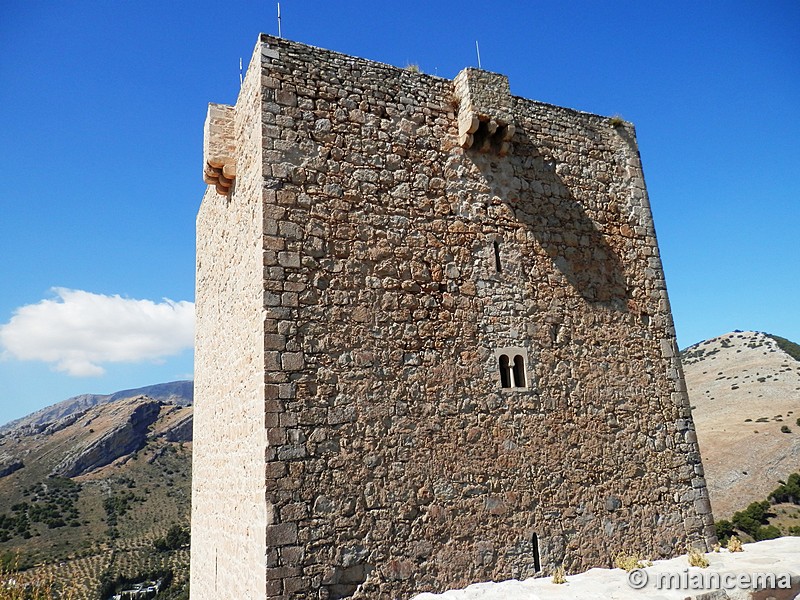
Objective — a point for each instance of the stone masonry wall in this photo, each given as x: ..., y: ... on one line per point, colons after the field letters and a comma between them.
x: 396, y: 264
x: 229, y: 513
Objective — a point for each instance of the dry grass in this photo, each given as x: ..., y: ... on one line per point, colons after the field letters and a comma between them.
x: 630, y: 561
x: 559, y: 576
x: 735, y: 544
x: 697, y: 558
x: 33, y: 585
x: 766, y: 379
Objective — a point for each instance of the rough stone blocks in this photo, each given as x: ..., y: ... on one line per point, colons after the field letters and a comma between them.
x: 434, y: 344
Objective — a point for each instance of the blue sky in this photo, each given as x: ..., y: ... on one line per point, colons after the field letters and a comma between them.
x: 103, y: 105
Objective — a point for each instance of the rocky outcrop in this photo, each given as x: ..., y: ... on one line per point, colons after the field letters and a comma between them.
x: 9, y: 464
x: 173, y: 392
x: 63, y: 423
x: 37, y: 422
x: 180, y: 430
x: 124, y: 438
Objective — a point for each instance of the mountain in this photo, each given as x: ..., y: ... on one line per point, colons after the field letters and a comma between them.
x: 174, y: 392
x: 91, y: 487
x: 745, y: 390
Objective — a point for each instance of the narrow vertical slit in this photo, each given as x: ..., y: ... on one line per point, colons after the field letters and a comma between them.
x: 537, y: 564
x: 497, y: 265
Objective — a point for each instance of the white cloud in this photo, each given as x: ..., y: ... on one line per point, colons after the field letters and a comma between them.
x: 78, y: 331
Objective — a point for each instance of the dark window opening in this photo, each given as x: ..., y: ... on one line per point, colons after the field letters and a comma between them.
x: 537, y: 563
x: 512, y: 370
x: 519, y: 371
x: 505, y: 372
x: 497, y: 265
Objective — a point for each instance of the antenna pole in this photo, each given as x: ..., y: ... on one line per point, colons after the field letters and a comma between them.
x: 240, y: 72
x: 279, y: 20
x: 478, y: 51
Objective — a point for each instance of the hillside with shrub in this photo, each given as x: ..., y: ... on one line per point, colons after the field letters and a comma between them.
x: 98, y: 500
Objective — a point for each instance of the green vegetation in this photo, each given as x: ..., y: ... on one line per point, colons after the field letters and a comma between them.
x: 51, y: 504
x: 789, y: 491
x: 695, y: 353
x: 55, y: 529
x: 7, y: 562
x: 115, y: 507
x: 787, y: 346
x: 755, y: 519
x: 724, y: 530
x: 177, y: 537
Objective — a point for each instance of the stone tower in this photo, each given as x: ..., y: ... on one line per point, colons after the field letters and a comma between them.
x: 434, y: 344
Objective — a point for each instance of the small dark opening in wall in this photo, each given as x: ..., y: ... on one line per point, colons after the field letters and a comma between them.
x: 505, y: 372
x: 497, y: 265
x: 519, y: 371
x: 537, y: 563
x: 481, y: 136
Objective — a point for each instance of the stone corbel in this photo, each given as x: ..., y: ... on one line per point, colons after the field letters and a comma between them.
x: 219, y: 148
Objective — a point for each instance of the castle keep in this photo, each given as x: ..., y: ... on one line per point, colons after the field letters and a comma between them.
x: 434, y: 344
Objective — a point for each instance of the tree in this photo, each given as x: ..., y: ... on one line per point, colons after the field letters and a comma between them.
x: 177, y: 537
x: 752, y: 518
x: 724, y: 530
x: 789, y: 491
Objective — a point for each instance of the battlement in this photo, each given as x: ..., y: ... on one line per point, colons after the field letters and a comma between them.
x: 434, y: 343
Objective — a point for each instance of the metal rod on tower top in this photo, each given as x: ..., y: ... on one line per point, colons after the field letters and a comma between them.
x: 478, y: 51
x: 279, y: 20
x: 240, y: 72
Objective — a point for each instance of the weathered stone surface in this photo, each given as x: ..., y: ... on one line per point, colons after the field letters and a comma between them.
x: 9, y: 465
x: 352, y: 295
x: 485, y: 113
x: 181, y: 430
x: 219, y: 148
x: 126, y: 437
x: 230, y: 448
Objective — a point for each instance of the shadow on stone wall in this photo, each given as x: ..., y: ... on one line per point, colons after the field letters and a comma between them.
x: 542, y: 201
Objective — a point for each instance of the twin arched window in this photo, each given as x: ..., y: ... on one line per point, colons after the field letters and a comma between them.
x: 512, y: 369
